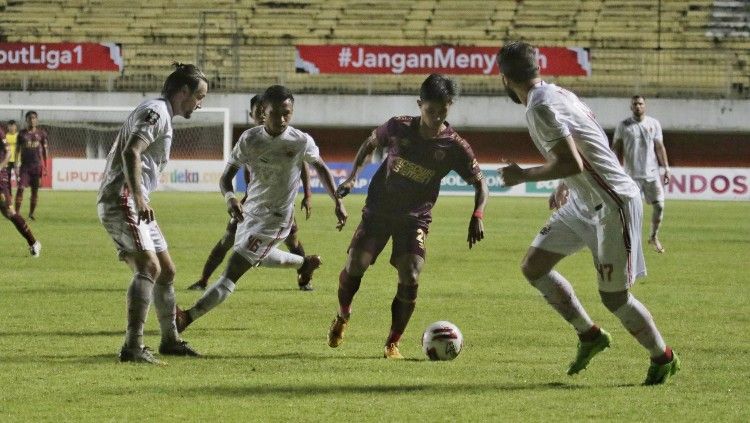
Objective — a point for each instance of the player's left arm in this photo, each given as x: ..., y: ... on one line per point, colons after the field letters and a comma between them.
x: 476, y: 226
x: 564, y: 161
x: 4, y: 147
x: 44, y: 154
x: 661, y: 154
x: 307, y: 193
x: 326, y: 177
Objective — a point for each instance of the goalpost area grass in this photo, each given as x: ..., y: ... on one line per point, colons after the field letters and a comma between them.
x: 62, y: 320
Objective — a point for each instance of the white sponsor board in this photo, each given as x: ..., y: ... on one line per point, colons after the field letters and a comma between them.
x: 179, y: 175
x: 709, y: 183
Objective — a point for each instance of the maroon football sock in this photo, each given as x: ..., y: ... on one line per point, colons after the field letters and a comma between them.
x: 19, y: 199
x: 348, y: 286
x: 32, y: 203
x: 23, y: 228
x: 664, y: 358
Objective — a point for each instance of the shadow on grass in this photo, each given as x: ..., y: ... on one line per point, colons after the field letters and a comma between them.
x: 326, y: 390
x: 71, y: 333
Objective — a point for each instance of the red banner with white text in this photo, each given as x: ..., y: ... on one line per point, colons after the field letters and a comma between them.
x: 61, y: 57
x: 456, y: 60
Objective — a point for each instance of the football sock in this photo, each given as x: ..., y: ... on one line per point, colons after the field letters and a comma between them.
x: 278, y: 258
x: 393, y: 338
x: 214, y: 295
x: 32, y: 203
x: 298, y: 249
x: 19, y: 199
x: 665, y: 358
x: 214, y: 260
x: 638, y: 321
x: 348, y: 286
x: 402, y: 306
x: 164, y: 302
x: 23, y: 228
x: 558, y: 293
x: 138, y: 301
x: 657, y: 214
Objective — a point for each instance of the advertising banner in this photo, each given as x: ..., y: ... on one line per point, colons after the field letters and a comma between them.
x: 179, y: 175
x: 61, y: 57
x: 456, y: 60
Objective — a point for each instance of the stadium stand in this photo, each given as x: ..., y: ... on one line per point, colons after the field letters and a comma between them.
x: 665, y: 48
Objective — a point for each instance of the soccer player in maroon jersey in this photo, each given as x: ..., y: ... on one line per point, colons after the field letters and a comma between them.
x: 292, y: 242
x: 32, y: 149
x: 420, y: 151
x: 5, y: 199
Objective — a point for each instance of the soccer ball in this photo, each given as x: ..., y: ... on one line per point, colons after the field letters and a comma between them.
x: 442, y: 341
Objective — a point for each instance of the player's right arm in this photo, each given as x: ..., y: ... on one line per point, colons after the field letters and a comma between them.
x: 365, y: 150
x: 131, y: 159
x: 234, y: 208
x: 617, y: 141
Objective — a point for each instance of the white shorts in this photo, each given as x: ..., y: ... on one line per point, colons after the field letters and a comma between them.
x: 130, y: 237
x: 652, y: 190
x: 259, y: 233
x: 613, y: 237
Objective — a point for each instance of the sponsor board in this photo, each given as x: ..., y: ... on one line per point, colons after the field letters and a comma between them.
x: 61, y: 57
x: 178, y: 175
x: 457, y: 60
x: 731, y: 184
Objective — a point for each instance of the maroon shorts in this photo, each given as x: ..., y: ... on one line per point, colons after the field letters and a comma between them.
x: 29, y: 176
x: 373, y: 233
x: 5, y: 187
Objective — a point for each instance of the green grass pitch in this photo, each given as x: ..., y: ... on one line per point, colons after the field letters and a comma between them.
x: 62, y: 320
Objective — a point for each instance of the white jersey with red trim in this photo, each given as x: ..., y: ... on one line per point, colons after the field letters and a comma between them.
x: 552, y: 114
x: 151, y: 122
x: 275, y: 165
x: 637, y: 138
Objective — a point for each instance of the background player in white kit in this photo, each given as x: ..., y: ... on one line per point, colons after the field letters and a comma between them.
x: 638, y: 142
x: 602, y: 210
x: 138, y: 155
x: 274, y: 153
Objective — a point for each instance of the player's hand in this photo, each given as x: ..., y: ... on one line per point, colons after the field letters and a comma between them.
x: 476, y: 231
x: 145, y: 212
x: 234, y: 208
x: 341, y: 215
x: 667, y: 176
x: 559, y: 197
x: 306, y: 206
x: 345, y: 188
x: 511, y: 174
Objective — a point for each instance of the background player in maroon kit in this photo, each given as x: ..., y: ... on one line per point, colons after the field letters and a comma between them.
x: 32, y: 149
x: 226, y: 242
x: 420, y: 151
x: 5, y: 199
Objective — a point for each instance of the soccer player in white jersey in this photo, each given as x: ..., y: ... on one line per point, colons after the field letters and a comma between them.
x: 274, y: 154
x: 598, y: 206
x: 638, y: 142
x: 134, y: 163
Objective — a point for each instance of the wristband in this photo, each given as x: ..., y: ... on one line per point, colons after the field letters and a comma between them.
x: 478, y: 214
x: 229, y: 195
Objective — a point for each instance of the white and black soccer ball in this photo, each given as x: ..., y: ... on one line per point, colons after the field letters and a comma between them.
x: 442, y: 341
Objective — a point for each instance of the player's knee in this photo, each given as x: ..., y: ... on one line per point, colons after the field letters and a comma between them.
x: 614, y: 300
x: 407, y: 292
x: 530, y: 271
x: 168, y: 272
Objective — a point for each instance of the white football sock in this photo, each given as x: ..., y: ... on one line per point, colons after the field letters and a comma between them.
x: 138, y: 301
x: 278, y: 258
x: 657, y: 214
x: 214, y: 295
x: 560, y: 295
x: 164, y: 302
x: 638, y: 321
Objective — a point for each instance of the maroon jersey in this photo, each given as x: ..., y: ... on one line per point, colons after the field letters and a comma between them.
x: 31, y: 145
x: 407, y: 184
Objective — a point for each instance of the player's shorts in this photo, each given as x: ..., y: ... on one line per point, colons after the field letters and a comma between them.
x: 373, y: 232
x: 613, y: 237
x: 652, y: 190
x: 7, y: 198
x: 29, y: 174
x: 260, y: 232
x: 120, y: 221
